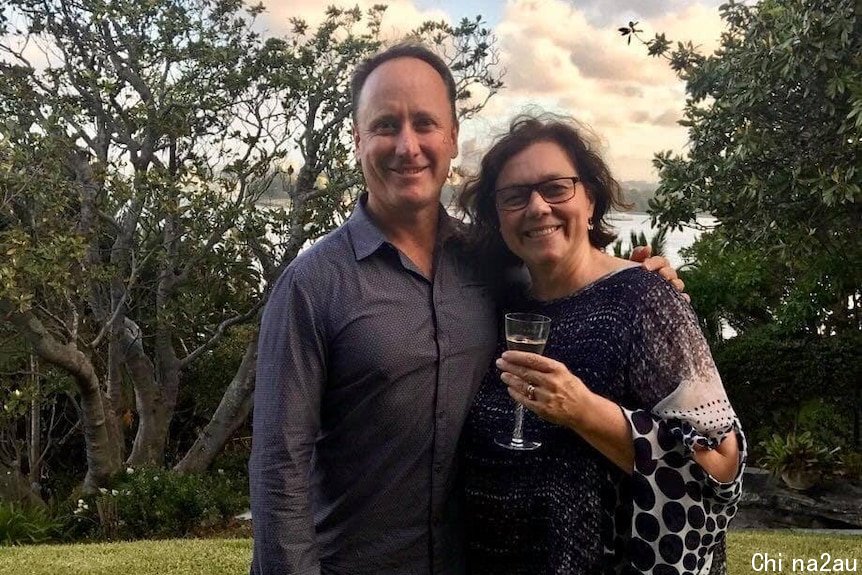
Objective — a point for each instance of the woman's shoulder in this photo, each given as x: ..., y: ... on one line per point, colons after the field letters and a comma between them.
x: 645, y: 291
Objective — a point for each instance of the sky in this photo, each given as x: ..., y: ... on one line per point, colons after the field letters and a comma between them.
x: 567, y: 57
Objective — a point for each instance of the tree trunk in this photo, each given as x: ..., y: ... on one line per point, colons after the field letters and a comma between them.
x: 34, y: 429
x: 147, y: 448
x: 102, y: 454
x: 231, y: 413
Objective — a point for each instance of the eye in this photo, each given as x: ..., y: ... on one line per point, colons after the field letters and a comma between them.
x: 556, y: 189
x: 423, y: 124
x: 512, y: 197
x: 385, y: 126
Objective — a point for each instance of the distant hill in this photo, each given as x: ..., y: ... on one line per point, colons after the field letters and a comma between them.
x: 638, y: 193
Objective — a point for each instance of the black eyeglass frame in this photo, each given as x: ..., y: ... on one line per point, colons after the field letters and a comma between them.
x: 536, y: 187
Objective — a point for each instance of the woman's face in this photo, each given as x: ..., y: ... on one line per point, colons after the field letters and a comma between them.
x: 544, y: 234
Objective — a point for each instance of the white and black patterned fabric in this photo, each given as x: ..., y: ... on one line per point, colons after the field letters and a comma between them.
x: 565, y: 508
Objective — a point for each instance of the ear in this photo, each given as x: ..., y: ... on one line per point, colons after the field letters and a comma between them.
x: 357, y: 144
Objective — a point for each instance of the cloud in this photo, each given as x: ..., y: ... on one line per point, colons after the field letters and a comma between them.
x: 400, y: 17
x: 559, y: 58
x: 567, y: 57
x: 619, y: 12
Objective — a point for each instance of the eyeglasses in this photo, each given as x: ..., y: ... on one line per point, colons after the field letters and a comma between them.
x: 553, y: 191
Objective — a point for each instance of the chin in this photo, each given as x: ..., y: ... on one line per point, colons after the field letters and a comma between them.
x: 540, y: 260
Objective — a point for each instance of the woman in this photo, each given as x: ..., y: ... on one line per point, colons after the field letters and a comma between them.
x: 641, y: 457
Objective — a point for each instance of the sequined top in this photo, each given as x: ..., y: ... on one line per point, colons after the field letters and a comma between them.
x: 565, y: 508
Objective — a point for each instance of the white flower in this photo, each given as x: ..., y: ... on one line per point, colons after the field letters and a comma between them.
x: 221, y: 471
x: 103, y: 491
x: 80, y: 503
x: 85, y: 506
x: 129, y: 470
x: 155, y: 477
x: 17, y: 393
x: 114, y: 492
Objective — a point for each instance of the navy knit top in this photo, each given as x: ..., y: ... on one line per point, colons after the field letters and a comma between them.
x: 565, y: 508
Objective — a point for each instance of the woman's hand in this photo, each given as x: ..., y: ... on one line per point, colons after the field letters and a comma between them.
x: 548, y: 389
x: 544, y: 386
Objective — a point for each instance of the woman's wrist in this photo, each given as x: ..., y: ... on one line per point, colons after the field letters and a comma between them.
x: 582, y: 410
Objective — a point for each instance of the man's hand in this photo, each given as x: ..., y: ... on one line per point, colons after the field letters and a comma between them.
x: 660, y: 265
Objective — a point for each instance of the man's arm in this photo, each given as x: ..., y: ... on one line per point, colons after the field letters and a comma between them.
x: 289, y: 380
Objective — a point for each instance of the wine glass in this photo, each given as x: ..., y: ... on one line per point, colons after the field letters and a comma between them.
x: 524, y: 332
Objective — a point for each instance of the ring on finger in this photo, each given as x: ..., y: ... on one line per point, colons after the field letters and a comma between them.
x: 531, y: 392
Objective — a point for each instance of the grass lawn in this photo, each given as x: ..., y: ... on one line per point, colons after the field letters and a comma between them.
x: 223, y: 556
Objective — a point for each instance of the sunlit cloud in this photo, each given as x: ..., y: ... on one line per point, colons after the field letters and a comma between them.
x: 558, y: 58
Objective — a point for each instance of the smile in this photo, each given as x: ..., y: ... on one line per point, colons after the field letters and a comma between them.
x: 542, y: 232
x: 407, y: 171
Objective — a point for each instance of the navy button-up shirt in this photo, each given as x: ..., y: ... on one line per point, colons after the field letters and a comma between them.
x: 365, y: 372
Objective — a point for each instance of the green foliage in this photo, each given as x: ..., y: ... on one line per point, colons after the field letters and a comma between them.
x: 775, y: 130
x: 205, y: 381
x: 157, y: 503
x: 851, y: 465
x: 657, y: 243
x: 780, y: 381
x: 36, y: 227
x: 131, y: 166
x: 730, y: 284
x: 795, y: 452
x: 27, y: 524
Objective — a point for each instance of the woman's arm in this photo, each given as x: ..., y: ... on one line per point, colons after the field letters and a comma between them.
x: 723, y: 461
x: 562, y: 398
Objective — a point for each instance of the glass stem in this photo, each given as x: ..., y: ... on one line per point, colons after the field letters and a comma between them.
x: 518, y: 433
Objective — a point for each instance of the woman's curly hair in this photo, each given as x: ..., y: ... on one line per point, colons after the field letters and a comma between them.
x: 477, y: 197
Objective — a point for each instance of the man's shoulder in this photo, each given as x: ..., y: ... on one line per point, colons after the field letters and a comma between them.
x: 315, y: 263
x: 333, y: 247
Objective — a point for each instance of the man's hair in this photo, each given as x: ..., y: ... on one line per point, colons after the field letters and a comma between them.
x: 407, y: 49
x: 477, y: 199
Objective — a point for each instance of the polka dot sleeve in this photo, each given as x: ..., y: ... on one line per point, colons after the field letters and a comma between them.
x: 679, y: 513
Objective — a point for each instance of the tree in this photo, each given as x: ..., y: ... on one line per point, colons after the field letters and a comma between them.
x: 312, y: 70
x: 775, y: 130
x: 132, y: 163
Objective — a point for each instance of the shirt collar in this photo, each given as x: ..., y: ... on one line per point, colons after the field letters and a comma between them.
x: 364, y: 233
x: 367, y: 237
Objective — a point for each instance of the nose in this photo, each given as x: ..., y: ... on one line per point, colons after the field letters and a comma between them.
x: 537, y: 206
x: 408, y: 142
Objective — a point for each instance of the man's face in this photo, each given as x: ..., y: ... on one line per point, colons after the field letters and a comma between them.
x: 405, y: 136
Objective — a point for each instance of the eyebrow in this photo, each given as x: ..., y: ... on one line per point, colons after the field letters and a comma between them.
x: 540, y: 180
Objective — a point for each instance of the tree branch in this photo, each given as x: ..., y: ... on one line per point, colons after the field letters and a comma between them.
x: 220, y: 331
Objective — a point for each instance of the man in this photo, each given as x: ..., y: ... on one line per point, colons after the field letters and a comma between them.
x: 372, y: 345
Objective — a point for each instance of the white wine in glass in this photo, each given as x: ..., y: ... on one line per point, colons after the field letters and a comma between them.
x: 524, y: 332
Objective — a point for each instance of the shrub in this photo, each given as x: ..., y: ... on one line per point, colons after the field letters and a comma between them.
x: 780, y: 381
x: 797, y: 451
x: 27, y: 524
x: 851, y: 465
x: 157, y: 503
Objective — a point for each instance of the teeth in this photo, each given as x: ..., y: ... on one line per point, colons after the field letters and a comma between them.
x: 410, y: 170
x: 542, y: 232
